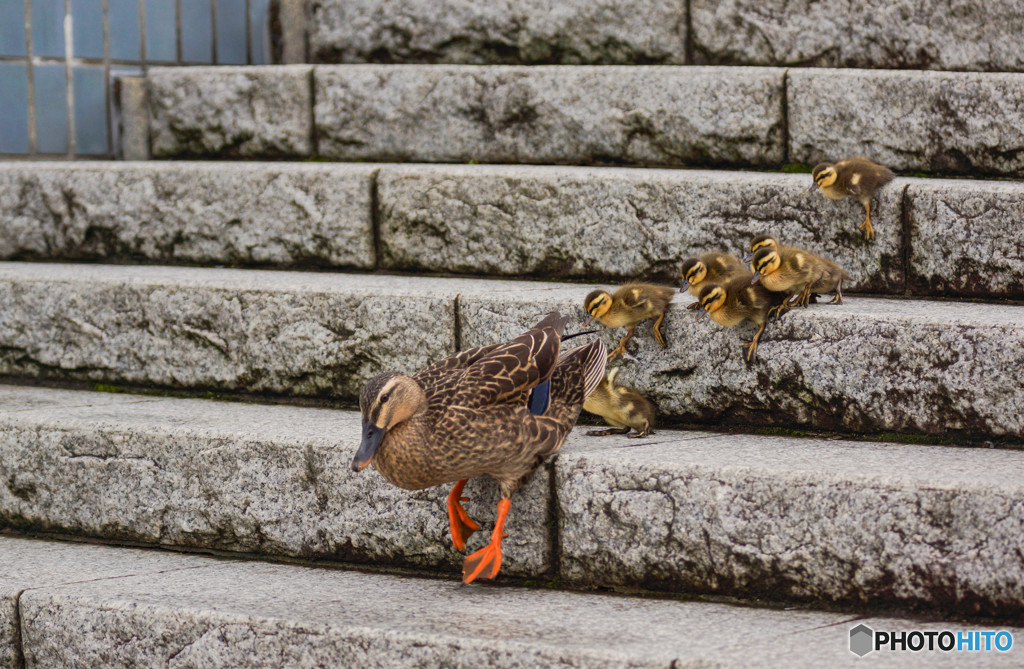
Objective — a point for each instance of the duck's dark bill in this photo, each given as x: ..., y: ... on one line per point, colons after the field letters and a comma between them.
x: 372, y: 436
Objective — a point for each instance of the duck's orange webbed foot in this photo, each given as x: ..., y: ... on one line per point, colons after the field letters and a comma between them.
x: 462, y: 525
x: 487, y: 561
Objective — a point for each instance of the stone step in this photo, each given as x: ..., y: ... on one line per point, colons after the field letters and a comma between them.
x: 512, y: 221
x: 861, y: 523
x: 871, y: 34
x: 958, y: 123
x: 186, y: 212
x: 146, y: 608
x: 870, y: 365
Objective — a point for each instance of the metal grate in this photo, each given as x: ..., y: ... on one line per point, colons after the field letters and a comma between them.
x: 58, y: 60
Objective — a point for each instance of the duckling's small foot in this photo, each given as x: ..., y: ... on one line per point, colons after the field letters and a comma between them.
x: 776, y: 312
x: 462, y: 525
x: 646, y: 432
x: 693, y: 305
x: 487, y: 561
x: 869, y: 230
x: 617, y: 352
x: 610, y: 430
x: 750, y: 348
x: 838, y: 299
x: 657, y: 330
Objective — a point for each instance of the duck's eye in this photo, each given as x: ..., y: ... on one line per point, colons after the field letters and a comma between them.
x: 383, y: 398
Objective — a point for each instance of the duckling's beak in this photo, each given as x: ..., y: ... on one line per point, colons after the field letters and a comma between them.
x: 813, y: 187
x: 685, y: 286
x: 589, y: 321
x: 748, y: 257
x: 372, y: 436
x: 700, y: 313
x: 757, y: 277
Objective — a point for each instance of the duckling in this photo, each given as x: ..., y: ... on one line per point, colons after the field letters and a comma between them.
x: 712, y: 267
x: 854, y: 176
x: 830, y: 278
x: 621, y: 407
x: 626, y: 307
x: 735, y: 301
x: 763, y: 241
x: 789, y: 272
x: 497, y: 410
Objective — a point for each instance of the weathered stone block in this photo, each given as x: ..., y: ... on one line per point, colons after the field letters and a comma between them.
x: 26, y: 565
x: 244, y: 330
x: 814, y: 520
x: 868, y: 365
x: 231, y: 112
x: 242, y: 614
x: 589, y: 223
x: 580, y: 115
x: 272, y: 480
x: 269, y: 213
x: 939, y: 122
x: 524, y: 32
x: 965, y: 238
x: 912, y: 34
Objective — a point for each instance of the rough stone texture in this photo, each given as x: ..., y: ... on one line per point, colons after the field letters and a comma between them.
x: 231, y: 112
x: 188, y: 212
x: 260, y: 615
x: 939, y: 122
x: 26, y: 565
x: 563, y: 222
x: 913, y: 34
x: 965, y: 238
x: 272, y: 480
x: 559, y: 114
x: 132, y: 118
x: 609, y: 32
x: 871, y: 364
x: 797, y: 519
x: 247, y: 330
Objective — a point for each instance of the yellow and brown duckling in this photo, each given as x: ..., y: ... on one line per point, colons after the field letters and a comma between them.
x: 626, y: 307
x: 798, y: 273
x: 738, y: 300
x: 621, y: 407
x: 497, y: 410
x: 763, y: 241
x: 859, y: 177
x: 789, y: 272
x: 710, y: 268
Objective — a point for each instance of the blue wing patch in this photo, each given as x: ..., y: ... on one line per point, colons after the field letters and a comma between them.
x: 540, y: 398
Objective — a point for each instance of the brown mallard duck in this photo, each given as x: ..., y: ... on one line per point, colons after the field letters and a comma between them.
x: 626, y: 307
x: 859, y: 177
x: 497, y: 410
x: 621, y: 407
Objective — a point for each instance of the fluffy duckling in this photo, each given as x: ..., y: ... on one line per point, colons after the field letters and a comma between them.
x: 789, y: 272
x: 854, y: 176
x: 497, y: 410
x: 626, y: 307
x: 763, y: 241
x: 735, y: 301
x: 621, y: 407
x: 831, y: 278
x: 712, y: 268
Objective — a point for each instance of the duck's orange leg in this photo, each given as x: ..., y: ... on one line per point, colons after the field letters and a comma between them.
x: 487, y: 561
x: 463, y: 526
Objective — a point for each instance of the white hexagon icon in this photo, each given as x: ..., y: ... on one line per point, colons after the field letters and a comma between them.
x: 862, y: 640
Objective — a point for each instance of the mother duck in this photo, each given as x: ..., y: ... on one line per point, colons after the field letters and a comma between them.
x: 496, y: 410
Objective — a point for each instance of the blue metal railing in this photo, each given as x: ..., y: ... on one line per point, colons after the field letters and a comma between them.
x: 58, y: 60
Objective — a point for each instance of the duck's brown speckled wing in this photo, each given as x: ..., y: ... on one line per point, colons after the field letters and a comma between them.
x: 443, y: 376
x: 507, y: 373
